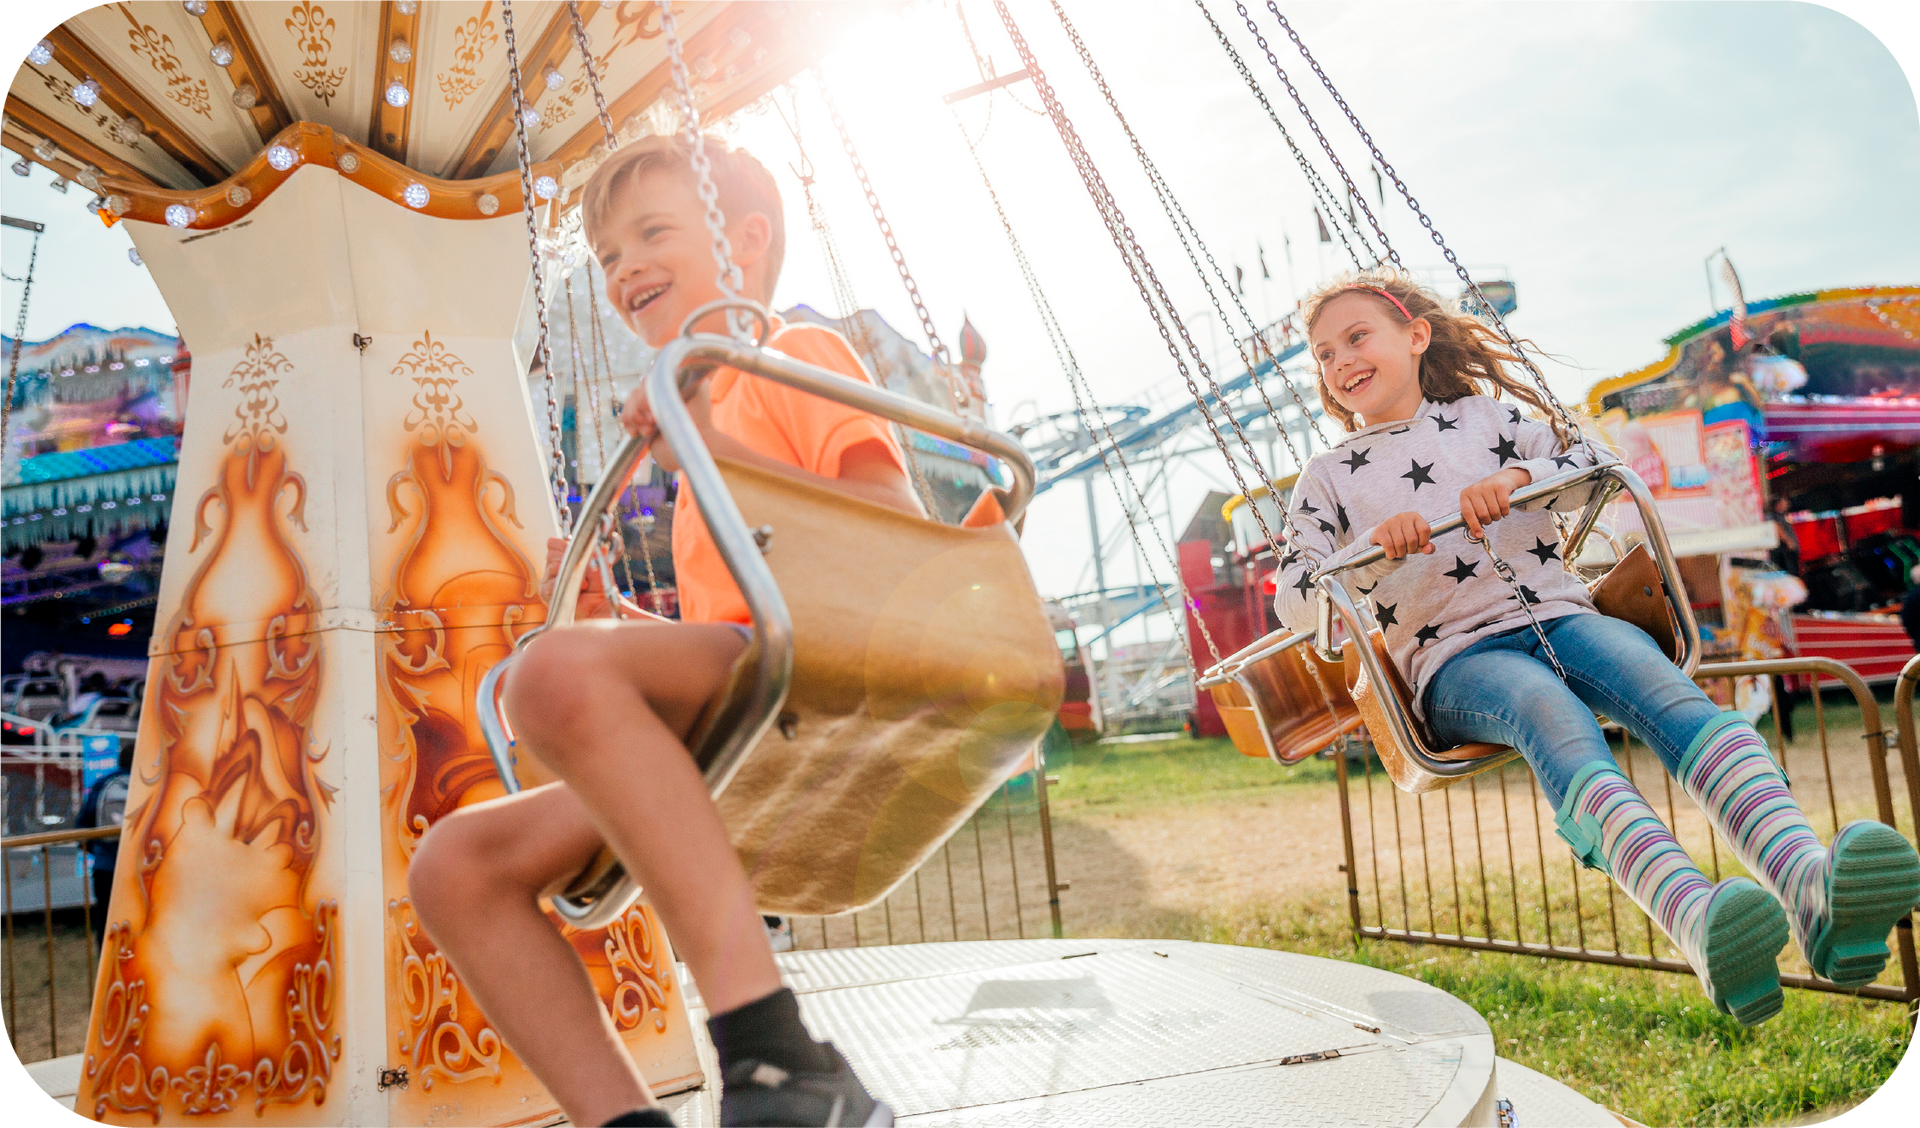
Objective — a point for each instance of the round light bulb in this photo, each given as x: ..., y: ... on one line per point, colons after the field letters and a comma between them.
x: 45, y: 150
x: 87, y: 93
x: 400, y: 51
x: 222, y: 54
x: 406, y: 7
x: 489, y: 203
x: 397, y: 95
x: 415, y: 195
x: 128, y: 130
x: 245, y: 97
x: 40, y: 54
x: 349, y: 162
x: 530, y: 116
x: 195, y: 7
x: 22, y: 167
x: 239, y: 195
x: 282, y: 157
x: 119, y: 205
x: 88, y: 178
x: 179, y: 215
x: 553, y: 78
x: 546, y: 187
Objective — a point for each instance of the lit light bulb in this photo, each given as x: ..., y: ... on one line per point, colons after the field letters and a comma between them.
x: 133, y: 256
x: 87, y: 93
x: 245, y: 97
x: 489, y: 203
x: 282, y: 157
x: 400, y: 51
x: 222, y: 54
x: 349, y: 162
x: 88, y: 177
x: 546, y: 187
x: 552, y: 77
x: 397, y: 95
x: 22, y: 167
x: 40, y: 54
x: 195, y: 7
x: 530, y: 116
x: 179, y: 215
x: 239, y: 195
x: 119, y: 205
x: 415, y: 195
x: 406, y: 7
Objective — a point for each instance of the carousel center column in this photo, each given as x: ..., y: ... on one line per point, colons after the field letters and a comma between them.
x: 357, y: 536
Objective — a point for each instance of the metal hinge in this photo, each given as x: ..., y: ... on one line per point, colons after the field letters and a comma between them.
x: 392, y: 1079
x: 361, y: 344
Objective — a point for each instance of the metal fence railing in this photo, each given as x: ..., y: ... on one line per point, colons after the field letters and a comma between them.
x: 1478, y: 865
x: 47, y: 1000
x: 993, y: 880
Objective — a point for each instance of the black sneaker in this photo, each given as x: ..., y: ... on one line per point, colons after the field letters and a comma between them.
x: 756, y: 1093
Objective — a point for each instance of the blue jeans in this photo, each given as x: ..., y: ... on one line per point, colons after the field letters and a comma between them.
x: 1503, y: 690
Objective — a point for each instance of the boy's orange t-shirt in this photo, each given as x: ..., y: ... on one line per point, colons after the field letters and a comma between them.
x: 784, y: 423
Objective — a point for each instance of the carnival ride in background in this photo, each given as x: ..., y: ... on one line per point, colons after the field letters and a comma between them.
x: 355, y: 571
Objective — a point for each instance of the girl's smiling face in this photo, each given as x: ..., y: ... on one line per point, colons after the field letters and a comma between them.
x: 1369, y: 359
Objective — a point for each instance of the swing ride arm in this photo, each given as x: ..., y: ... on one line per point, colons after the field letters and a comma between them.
x: 1611, y: 476
x: 680, y: 367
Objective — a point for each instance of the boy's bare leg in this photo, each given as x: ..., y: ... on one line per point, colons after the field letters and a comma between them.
x: 476, y: 882
x: 606, y: 706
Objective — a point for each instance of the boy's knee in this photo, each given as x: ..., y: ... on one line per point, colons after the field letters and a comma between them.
x: 553, y: 684
x: 444, y: 872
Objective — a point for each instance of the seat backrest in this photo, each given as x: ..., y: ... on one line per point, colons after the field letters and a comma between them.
x: 924, y: 672
x: 1405, y: 771
x: 1300, y: 701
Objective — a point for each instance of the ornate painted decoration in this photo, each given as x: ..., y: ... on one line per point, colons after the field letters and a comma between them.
x: 157, y: 49
x: 470, y: 42
x: 312, y: 31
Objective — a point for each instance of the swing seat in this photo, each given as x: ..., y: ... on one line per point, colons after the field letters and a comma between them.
x: 1284, y: 705
x: 923, y: 672
x: 1643, y: 589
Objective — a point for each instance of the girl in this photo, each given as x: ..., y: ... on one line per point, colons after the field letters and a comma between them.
x: 1418, y: 388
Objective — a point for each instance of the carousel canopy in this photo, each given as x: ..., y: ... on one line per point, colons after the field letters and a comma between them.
x: 180, y: 96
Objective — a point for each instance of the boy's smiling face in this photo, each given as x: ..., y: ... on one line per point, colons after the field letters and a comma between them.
x: 658, y: 254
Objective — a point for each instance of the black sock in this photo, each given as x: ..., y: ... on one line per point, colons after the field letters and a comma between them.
x: 768, y: 1030
x: 642, y: 1118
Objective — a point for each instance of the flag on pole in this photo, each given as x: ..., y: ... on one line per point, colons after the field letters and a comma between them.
x: 1351, y: 221
x: 1239, y: 279
x: 1262, y: 253
x: 1325, y: 236
x: 1737, y: 322
x: 1379, y: 187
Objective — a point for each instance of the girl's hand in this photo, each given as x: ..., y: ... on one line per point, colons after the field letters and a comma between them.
x: 593, y: 594
x: 1485, y: 501
x: 637, y: 419
x: 1403, y: 534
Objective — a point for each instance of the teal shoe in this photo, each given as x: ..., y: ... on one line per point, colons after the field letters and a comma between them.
x: 1873, y: 880
x: 1740, y: 940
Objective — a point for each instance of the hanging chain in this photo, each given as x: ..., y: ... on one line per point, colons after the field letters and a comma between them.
x: 1380, y: 161
x: 1183, y: 227
x: 1138, y: 267
x: 729, y: 279
x: 12, y: 365
x: 1070, y: 364
x: 886, y: 229
x: 602, y: 374
x: 593, y: 75
x: 610, y: 539
x: 1505, y: 571
x: 542, y: 351
x: 1321, y: 193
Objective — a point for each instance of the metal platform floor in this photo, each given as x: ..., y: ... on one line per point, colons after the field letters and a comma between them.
x: 1124, y: 1032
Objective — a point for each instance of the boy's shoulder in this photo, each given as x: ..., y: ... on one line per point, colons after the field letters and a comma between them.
x: 818, y: 345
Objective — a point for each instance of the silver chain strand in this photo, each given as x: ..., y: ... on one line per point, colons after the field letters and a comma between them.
x: 729, y: 279
x: 542, y: 352
x: 592, y: 74
x: 19, y: 346
x: 1505, y: 571
x: 1322, y: 194
x: 1161, y: 310
x: 603, y: 374
x: 1070, y: 364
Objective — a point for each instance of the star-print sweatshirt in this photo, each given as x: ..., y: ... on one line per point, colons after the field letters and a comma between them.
x: 1431, y: 607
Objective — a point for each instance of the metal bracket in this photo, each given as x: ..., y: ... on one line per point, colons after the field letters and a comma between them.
x: 392, y: 1079
x: 360, y: 343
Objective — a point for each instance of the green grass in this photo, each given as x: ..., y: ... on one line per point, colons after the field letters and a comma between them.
x: 1644, y: 1043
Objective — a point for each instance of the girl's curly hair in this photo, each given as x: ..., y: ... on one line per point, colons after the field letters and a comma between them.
x: 1464, y: 358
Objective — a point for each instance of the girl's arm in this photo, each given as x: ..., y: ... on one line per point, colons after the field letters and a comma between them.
x: 1543, y: 457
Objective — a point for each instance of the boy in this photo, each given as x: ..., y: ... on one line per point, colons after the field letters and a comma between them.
x: 606, y: 705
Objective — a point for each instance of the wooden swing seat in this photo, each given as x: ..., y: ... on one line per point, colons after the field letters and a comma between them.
x: 924, y: 673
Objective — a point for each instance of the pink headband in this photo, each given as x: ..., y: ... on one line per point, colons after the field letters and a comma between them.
x: 1384, y: 294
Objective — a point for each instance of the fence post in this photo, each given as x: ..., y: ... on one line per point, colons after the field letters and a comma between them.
x: 1040, y: 782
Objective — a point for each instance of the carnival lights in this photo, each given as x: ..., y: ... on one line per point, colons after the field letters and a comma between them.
x: 282, y: 157
x: 179, y: 215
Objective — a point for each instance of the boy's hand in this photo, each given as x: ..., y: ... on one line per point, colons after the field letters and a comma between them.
x: 637, y: 419
x: 593, y: 594
x: 1485, y: 501
x: 1403, y: 534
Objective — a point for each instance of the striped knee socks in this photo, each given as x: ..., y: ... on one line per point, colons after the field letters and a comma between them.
x: 1729, y: 932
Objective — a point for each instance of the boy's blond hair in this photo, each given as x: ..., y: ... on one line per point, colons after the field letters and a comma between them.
x: 744, y: 184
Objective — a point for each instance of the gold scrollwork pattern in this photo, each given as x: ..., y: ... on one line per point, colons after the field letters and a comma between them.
x: 434, y: 1041
x: 312, y: 31
x: 157, y: 49
x: 257, y: 418
x: 642, y: 973
x: 470, y: 42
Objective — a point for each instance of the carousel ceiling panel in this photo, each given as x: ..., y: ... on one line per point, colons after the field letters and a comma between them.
x: 160, y: 54
x: 322, y: 58
x: 40, y: 106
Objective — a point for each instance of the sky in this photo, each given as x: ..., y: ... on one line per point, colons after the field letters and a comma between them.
x: 1595, y: 154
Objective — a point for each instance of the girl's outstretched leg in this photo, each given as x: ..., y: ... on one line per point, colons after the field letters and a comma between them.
x: 1842, y: 901
x: 1730, y: 932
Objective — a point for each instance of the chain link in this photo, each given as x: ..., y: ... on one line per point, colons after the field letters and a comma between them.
x: 1505, y: 571
x: 13, y: 362
x: 542, y: 351
x: 592, y: 74
x: 729, y: 279
x: 1070, y: 364
x: 603, y: 373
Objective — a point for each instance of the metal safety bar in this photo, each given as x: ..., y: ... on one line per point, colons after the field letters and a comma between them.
x: 1334, y: 595
x: 679, y: 368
